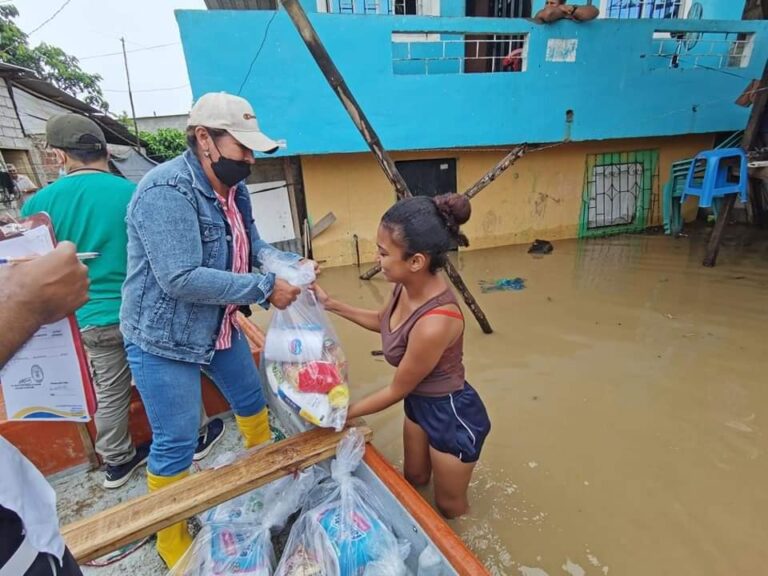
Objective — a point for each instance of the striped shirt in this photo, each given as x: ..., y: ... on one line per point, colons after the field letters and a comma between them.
x: 240, y: 263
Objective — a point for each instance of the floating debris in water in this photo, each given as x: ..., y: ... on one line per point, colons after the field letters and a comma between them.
x: 502, y: 285
x: 541, y: 247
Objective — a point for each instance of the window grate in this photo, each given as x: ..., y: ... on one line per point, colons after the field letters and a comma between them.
x: 620, y: 193
x: 634, y: 9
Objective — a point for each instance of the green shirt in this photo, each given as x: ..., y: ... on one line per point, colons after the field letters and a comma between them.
x: 89, y: 210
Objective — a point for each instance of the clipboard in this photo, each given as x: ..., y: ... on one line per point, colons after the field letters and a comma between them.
x: 78, y: 394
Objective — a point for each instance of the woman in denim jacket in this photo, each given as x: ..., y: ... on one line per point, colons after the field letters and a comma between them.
x: 192, y: 247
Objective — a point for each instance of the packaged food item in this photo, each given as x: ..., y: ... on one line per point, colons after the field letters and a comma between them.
x: 304, y: 362
x: 342, y: 532
x: 236, y: 536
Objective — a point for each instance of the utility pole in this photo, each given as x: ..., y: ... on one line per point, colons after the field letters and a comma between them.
x: 130, y: 95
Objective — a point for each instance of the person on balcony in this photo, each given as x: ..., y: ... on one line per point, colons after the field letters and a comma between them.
x: 555, y: 10
x: 192, y: 249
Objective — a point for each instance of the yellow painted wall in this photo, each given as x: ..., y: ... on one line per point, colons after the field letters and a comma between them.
x: 539, y: 197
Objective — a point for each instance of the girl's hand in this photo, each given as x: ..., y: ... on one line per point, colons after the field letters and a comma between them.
x: 320, y: 294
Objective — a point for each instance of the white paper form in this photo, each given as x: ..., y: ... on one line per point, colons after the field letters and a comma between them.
x: 43, y: 381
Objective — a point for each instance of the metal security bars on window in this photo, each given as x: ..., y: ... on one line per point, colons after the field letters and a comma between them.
x: 620, y: 193
x: 706, y: 50
x: 628, y: 9
x: 426, y: 53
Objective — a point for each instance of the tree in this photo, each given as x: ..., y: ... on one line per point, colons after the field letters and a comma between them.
x: 164, y: 144
x: 49, y: 62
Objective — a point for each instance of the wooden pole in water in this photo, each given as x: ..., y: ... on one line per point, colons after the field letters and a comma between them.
x: 345, y: 96
x: 516, y: 153
x: 747, y: 141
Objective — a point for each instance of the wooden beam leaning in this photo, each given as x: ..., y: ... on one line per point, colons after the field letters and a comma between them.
x: 344, y: 94
x: 106, y: 531
x: 747, y: 141
x: 515, y: 154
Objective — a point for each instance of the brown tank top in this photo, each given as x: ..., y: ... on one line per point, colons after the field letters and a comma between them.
x: 448, y: 375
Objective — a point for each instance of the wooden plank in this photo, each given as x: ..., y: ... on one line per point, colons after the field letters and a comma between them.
x: 360, y: 120
x: 435, y: 527
x: 747, y: 141
x: 344, y: 94
x: 323, y: 224
x: 713, y: 247
x: 469, y: 300
x: 490, y: 176
x: 110, y: 529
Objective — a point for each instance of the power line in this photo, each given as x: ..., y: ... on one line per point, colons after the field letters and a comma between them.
x: 66, y: 2
x: 120, y: 53
x: 261, y: 46
x: 168, y: 89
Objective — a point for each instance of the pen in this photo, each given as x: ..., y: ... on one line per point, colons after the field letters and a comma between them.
x: 17, y: 260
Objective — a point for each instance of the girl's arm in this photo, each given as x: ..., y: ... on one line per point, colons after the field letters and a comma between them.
x: 368, y: 319
x: 429, y: 339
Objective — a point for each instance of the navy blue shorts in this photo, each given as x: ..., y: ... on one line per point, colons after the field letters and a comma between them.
x: 456, y: 424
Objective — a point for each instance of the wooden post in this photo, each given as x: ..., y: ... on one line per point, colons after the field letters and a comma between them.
x: 344, y: 94
x: 516, y: 153
x: 747, y: 141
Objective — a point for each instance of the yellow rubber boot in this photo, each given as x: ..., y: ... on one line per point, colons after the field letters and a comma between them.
x: 173, y: 541
x: 255, y: 429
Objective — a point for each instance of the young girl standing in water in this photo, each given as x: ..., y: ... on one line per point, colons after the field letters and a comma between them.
x: 422, y: 334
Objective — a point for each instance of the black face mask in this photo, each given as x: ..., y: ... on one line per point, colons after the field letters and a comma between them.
x: 229, y: 171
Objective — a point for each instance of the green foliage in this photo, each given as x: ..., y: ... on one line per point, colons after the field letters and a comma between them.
x: 164, y: 144
x: 48, y: 62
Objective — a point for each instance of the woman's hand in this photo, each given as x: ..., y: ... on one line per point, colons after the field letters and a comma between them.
x: 314, y: 264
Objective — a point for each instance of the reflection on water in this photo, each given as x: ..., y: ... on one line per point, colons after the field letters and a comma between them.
x: 627, y: 389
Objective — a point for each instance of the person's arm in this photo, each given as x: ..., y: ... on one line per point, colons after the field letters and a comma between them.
x: 584, y: 13
x: 427, y: 342
x: 39, y: 292
x: 168, y: 227
x: 368, y: 319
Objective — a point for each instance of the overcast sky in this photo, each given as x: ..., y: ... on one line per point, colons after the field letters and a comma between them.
x: 89, y: 29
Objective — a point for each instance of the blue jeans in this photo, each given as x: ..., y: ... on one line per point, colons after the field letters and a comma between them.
x: 172, y: 396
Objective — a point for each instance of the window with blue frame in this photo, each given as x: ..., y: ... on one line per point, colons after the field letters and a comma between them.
x: 627, y: 9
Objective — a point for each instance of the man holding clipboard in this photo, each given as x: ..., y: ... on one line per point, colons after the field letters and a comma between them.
x: 38, y: 292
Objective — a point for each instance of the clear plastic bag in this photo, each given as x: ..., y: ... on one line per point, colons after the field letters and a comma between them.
x: 236, y: 537
x: 305, y: 365
x: 343, y: 532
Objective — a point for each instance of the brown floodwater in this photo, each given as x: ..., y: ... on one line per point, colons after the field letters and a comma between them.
x: 628, y: 390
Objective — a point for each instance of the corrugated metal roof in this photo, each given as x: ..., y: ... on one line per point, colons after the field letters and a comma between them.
x: 26, y: 80
x: 241, y: 4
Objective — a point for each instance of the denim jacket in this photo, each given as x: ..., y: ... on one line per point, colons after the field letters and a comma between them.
x: 179, y: 261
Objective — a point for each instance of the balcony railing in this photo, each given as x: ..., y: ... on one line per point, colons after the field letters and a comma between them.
x: 428, y: 53
x: 707, y: 50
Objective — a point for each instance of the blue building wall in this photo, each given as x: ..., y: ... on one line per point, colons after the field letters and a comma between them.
x: 616, y: 87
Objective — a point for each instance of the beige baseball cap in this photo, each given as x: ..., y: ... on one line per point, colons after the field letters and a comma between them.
x: 233, y: 114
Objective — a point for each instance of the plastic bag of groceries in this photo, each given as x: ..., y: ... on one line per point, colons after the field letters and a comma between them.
x: 341, y: 531
x: 304, y: 362
x: 236, y: 537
